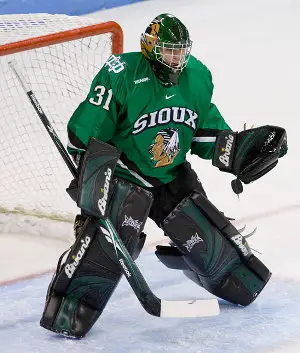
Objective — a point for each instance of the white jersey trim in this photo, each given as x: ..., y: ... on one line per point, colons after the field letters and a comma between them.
x: 74, y: 147
x: 122, y: 165
x: 204, y: 139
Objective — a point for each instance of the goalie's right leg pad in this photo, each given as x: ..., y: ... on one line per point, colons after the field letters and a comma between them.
x: 83, y: 285
x: 211, y: 247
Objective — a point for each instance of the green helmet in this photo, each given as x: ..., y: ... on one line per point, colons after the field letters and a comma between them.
x: 166, y: 44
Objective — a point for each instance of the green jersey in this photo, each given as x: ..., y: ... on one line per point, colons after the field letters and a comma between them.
x: 152, y: 125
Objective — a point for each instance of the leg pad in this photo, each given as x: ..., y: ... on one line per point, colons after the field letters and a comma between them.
x: 203, y: 238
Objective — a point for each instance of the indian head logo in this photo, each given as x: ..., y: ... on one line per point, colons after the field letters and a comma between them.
x: 149, y: 38
x: 165, y: 147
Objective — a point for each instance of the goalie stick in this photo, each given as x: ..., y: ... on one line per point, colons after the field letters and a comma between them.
x: 150, y: 302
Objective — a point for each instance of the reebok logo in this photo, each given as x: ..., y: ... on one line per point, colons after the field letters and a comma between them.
x: 128, y: 274
x: 36, y: 103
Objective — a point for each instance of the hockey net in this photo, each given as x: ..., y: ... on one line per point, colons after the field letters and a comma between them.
x: 59, y: 55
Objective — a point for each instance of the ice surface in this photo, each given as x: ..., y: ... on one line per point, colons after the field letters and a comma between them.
x: 252, y: 49
x: 274, y: 319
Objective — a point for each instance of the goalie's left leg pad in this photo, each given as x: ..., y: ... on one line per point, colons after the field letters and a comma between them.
x: 81, y: 289
x: 82, y: 286
x: 68, y: 309
x: 215, y: 262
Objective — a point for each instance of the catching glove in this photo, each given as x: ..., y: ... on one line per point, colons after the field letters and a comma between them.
x: 250, y: 154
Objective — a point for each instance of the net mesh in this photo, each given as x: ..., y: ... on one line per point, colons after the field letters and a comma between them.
x: 33, y: 175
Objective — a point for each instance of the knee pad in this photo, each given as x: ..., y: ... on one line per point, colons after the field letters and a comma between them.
x: 83, y: 284
x: 217, y: 256
x: 128, y: 210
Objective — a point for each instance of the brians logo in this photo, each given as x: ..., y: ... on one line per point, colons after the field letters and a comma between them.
x: 102, y: 203
x: 70, y: 268
x: 225, y: 158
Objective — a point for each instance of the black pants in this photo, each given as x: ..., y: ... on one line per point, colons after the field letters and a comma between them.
x: 168, y: 196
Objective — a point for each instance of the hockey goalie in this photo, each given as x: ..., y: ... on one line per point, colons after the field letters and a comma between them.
x: 129, y: 138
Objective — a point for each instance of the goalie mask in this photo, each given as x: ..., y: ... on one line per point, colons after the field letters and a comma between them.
x: 166, y: 44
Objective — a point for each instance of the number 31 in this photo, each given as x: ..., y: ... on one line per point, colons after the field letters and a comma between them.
x: 100, y: 95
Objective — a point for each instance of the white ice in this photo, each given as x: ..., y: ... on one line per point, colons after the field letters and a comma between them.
x: 253, y: 51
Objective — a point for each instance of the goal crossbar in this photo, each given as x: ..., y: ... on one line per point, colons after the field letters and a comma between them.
x: 68, y: 35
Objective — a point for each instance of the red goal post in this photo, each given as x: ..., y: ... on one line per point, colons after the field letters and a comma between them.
x: 59, y: 55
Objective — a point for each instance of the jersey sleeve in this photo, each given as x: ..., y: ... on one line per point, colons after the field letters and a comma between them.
x: 203, y: 142
x: 97, y: 115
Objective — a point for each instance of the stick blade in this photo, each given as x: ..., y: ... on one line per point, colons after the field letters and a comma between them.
x: 189, y: 308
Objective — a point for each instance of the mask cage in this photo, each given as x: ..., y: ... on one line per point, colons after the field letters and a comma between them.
x: 174, y: 56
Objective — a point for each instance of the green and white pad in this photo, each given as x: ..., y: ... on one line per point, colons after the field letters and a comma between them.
x: 217, y: 257
x: 83, y: 284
